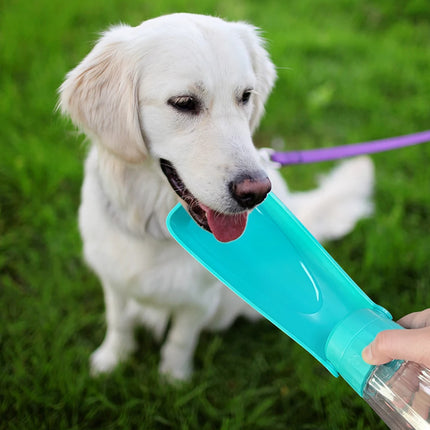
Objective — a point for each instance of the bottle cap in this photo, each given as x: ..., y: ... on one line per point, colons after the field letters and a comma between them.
x: 348, y: 339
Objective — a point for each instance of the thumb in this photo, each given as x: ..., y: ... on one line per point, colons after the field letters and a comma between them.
x: 411, y: 345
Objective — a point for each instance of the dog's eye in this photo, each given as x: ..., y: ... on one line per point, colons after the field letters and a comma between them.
x: 246, y: 96
x: 185, y: 104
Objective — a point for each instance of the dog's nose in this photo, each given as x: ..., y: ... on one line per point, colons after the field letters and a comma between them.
x: 249, y: 191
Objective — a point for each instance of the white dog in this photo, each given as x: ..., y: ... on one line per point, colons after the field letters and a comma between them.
x: 170, y: 107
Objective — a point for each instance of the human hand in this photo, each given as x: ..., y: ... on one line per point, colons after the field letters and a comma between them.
x: 412, y: 344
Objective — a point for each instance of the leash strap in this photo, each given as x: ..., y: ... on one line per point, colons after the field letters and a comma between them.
x: 337, y: 152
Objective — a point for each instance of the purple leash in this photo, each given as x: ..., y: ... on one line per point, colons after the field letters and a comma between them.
x: 337, y: 152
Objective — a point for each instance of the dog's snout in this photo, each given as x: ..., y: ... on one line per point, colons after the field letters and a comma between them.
x: 249, y: 191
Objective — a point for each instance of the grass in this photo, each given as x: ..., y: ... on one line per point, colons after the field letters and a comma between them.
x: 348, y: 71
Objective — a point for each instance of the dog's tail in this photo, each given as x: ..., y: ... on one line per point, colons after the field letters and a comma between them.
x: 341, y: 200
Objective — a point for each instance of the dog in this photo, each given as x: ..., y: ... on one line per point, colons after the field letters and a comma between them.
x: 170, y: 107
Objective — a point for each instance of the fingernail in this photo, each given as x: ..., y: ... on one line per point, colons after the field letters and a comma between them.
x: 367, y: 354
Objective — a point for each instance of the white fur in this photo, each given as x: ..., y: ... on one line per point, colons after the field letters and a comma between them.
x: 118, y: 96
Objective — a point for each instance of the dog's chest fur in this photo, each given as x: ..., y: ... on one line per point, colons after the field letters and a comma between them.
x: 136, y: 197
x: 122, y: 221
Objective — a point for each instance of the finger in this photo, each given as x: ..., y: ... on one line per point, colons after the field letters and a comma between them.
x: 410, y: 345
x: 416, y: 319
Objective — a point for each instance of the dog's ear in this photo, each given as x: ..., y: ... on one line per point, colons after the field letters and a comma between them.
x: 101, y: 96
x: 264, y: 69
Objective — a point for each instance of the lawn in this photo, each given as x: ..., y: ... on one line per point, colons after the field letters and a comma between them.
x: 348, y: 71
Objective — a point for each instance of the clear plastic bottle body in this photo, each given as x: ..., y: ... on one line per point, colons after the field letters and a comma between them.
x: 399, y: 392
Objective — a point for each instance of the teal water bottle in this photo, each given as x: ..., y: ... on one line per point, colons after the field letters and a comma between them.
x: 399, y: 391
x: 298, y: 286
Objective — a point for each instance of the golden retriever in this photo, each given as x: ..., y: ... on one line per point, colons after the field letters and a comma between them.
x: 170, y: 107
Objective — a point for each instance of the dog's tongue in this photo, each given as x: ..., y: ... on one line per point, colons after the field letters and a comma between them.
x: 226, y: 227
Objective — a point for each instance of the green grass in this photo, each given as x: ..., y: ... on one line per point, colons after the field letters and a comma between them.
x: 348, y: 71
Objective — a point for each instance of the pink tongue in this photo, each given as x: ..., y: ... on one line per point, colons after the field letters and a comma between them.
x: 226, y: 227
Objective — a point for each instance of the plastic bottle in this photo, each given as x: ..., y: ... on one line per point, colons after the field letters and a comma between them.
x: 304, y: 292
x: 399, y: 392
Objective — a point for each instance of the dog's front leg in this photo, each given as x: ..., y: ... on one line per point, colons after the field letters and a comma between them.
x: 119, y: 341
x: 178, y: 349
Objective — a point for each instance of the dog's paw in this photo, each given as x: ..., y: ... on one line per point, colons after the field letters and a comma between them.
x: 103, y: 361
x: 176, y: 363
x: 105, y: 358
x: 172, y: 373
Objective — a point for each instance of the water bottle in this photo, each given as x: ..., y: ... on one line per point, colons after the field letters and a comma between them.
x: 399, y: 392
x: 300, y: 288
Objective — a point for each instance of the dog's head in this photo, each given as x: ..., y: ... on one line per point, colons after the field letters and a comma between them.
x: 187, y: 90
